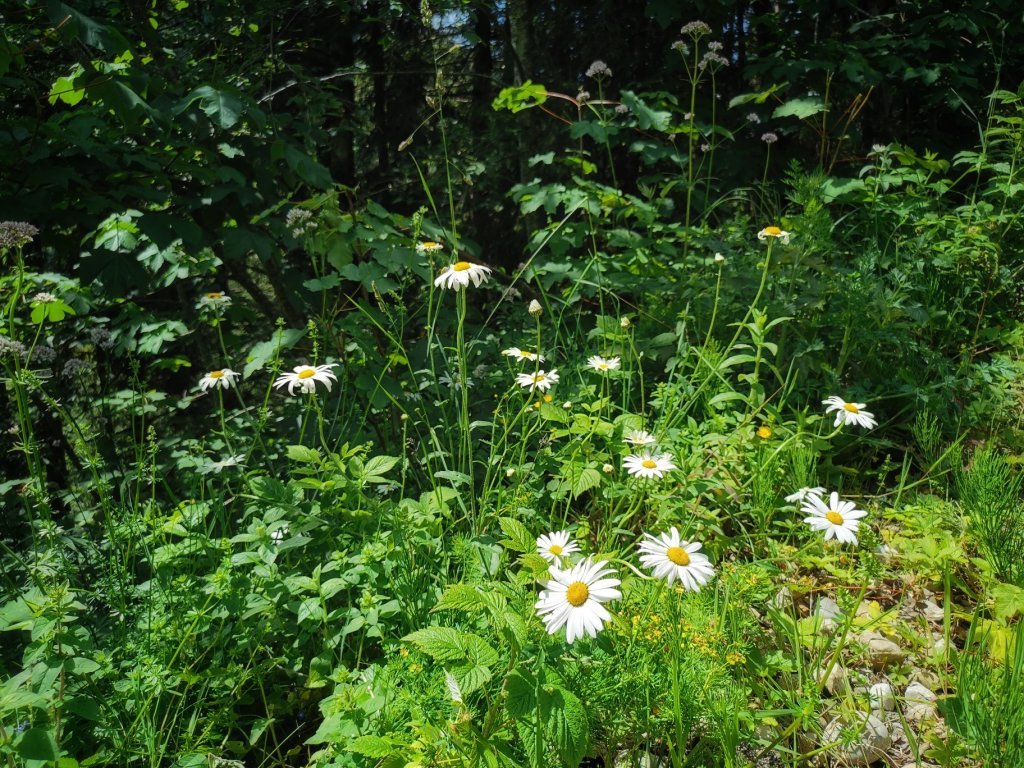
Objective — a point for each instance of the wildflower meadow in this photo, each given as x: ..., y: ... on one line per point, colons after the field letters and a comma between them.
x: 547, y: 384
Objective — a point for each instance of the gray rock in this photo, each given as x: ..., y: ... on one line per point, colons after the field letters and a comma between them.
x: 933, y: 611
x: 919, y: 703
x: 881, y: 697
x: 882, y: 652
x: 837, y: 681
x: 869, y: 746
x: 828, y: 608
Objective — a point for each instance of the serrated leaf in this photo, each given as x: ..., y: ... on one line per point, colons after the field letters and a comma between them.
x: 377, y: 466
x: 303, y: 455
x: 459, y: 597
x: 371, y: 746
x: 519, y: 694
x: 440, y: 643
x: 519, y: 537
x: 566, y: 722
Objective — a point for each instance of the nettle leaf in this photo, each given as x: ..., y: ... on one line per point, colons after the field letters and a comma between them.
x: 519, y: 694
x: 566, y: 722
x: 519, y: 537
x: 460, y: 597
x: 440, y: 643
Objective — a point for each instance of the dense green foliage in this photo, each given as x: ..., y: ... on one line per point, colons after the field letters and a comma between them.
x: 748, y: 214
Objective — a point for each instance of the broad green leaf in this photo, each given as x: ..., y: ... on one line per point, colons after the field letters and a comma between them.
x: 459, y: 597
x: 304, y: 455
x: 377, y: 466
x: 516, y: 98
x: 37, y: 744
x: 440, y: 643
x: 566, y: 722
x: 371, y: 746
x: 519, y: 538
x: 520, y: 699
x: 647, y: 118
x: 799, y: 108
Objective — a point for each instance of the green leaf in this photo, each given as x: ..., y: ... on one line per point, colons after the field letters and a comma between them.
x: 647, y: 118
x: 459, y: 597
x: 519, y: 97
x: 377, y: 466
x: 263, y: 352
x: 222, y: 107
x: 440, y: 643
x: 581, y: 479
x: 799, y: 108
x: 304, y: 455
x: 37, y: 744
x: 519, y: 694
x: 756, y: 98
x: 453, y: 477
x: 371, y: 746
x: 306, y: 168
x: 519, y: 537
x: 1007, y: 601
x: 567, y: 725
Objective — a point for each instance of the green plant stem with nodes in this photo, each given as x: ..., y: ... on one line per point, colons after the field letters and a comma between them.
x: 466, y: 438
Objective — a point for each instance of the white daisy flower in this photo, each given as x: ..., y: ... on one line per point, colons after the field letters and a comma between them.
x: 573, y: 599
x: 224, y: 378
x: 673, y: 559
x: 217, y: 301
x: 603, y: 364
x: 837, y: 518
x: 554, y: 546
x: 648, y: 466
x: 522, y: 354
x: 805, y: 493
x: 849, y: 413
x: 539, y: 380
x: 429, y: 247
x: 305, y: 378
x: 460, y: 274
x: 781, y: 234
x: 638, y: 437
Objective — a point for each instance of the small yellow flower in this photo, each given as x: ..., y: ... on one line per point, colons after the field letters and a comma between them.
x: 764, y: 431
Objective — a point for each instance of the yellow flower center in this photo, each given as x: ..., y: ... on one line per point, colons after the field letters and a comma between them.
x: 764, y: 432
x: 548, y: 398
x: 851, y: 408
x: 554, y: 549
x: 773, y: 231
x: 834, y: 517
x: 430, y: 245
x: 648, y: 463
x: 461, y: 266
x: 603, y: 366
x: 528, y: 355
x: 538, y: 378
x: 216, y: 374
x: 577, y: 594
x: 678, y: 555
x: 306, y: 373
x: 215, y: 295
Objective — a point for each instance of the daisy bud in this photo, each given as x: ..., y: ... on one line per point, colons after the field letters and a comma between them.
x: 509, y: 472
x: 535, y: 308
x: 719, y: 258
x: 607, y: 469
x: 624, y: 323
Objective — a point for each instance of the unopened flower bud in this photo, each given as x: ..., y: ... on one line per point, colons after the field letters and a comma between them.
x: 624, y: 323
x: 719, y: 258
x: 607, y: 469
x: 535, y: 308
